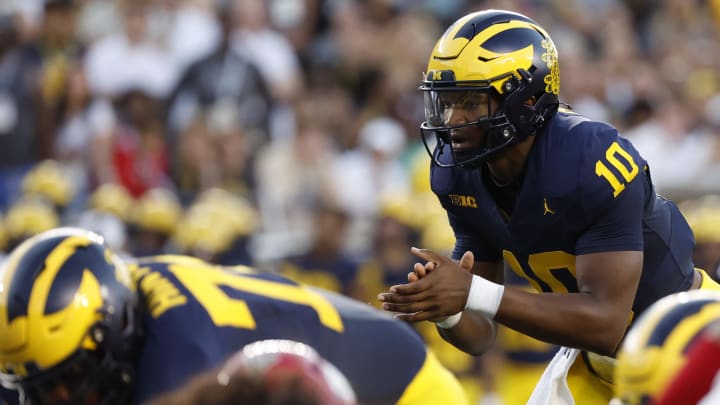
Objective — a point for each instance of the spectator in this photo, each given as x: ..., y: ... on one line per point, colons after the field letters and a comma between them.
x: 19, y: 108
x: 224, y: 77
x: 325, y: 262
x: 129, y: 59
x: 364, y: 176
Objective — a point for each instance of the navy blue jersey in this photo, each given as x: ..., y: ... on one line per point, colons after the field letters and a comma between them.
x: 8, y: 396
x: 585, y: 190
x: 199, y: 314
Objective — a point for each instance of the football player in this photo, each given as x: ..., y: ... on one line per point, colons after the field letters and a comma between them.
x: 79, y: 325
x: 565, y: 201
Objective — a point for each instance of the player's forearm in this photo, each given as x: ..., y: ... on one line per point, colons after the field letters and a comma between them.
x: 474, y: 334
x: 575, y: 320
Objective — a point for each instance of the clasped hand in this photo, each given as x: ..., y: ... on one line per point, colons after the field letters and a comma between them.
x: 436, y: 289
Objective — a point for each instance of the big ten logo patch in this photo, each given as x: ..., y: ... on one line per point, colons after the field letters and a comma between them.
x: 463, y: 201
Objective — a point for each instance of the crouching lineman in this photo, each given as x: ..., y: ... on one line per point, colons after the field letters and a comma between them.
x: 78, y: 326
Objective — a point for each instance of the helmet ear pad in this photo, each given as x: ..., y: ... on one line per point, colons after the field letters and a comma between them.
x: 525, y: 110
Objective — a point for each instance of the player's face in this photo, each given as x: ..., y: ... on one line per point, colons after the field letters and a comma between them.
x: 463, y: 108
x: 63, y: 394
x: 73, y: 387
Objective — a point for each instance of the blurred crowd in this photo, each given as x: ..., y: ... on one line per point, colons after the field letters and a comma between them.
x: 284, y: 133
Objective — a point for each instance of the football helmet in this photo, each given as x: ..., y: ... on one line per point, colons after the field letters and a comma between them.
x: 214, y: 221
x: 279, y: 361
x: 493, y: 69
x: 113, y: 199
x: 68, y: 320
x: 157, y: 210
x: 655, y: 348
x: 27, y: 217
x: 50, y: 180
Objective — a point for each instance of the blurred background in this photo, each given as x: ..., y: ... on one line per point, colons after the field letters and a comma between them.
x: 284, y: 133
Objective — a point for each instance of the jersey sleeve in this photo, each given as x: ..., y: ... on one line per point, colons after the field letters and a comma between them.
x: 614, y: 186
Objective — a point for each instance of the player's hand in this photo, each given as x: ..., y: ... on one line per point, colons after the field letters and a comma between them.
x: 441, y: 288
x: 420, y: 270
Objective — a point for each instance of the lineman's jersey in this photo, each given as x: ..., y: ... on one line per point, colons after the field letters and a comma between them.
x: 199, y: 314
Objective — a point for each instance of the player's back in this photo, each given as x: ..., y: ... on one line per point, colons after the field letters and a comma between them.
x: 198, y: 314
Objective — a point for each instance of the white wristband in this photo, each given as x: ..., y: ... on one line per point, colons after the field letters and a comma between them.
x: 484, y: 296
x: 450, y: 321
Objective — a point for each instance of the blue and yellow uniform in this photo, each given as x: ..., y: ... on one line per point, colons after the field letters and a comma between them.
x: 199, y: 314
x: 585, y: 189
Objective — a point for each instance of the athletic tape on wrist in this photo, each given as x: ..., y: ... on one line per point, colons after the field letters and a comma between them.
x: 484, y: 296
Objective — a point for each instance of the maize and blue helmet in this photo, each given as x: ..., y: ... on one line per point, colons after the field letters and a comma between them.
x: 656, y: 346
x: 499, y: 67
x: 68, y: 320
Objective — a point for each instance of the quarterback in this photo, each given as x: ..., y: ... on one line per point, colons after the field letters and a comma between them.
x: 564, y: 201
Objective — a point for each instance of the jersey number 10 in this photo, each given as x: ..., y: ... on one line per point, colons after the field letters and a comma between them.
x: 627, y: 170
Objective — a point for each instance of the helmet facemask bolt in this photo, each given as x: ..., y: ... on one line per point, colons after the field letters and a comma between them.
x: 98, y: 335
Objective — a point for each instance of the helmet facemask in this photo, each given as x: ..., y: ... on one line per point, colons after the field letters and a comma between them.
x: 104, y: 375
x: 81, y: 349
x: 473, y: 100
x: 87, y: 377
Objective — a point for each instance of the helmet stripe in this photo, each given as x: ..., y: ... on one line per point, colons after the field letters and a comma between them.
x: 19, y: 284
x: 675, y: 316
x: 475, y: 23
